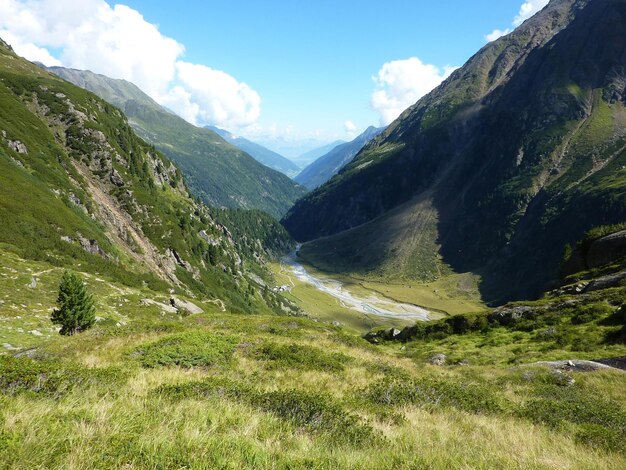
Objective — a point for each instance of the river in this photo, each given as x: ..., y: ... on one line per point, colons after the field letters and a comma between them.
x: 372, y: 304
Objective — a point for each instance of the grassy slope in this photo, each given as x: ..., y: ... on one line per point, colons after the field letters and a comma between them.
x: 37, y: 187
x: 272, y: 392
x: 220, y: 173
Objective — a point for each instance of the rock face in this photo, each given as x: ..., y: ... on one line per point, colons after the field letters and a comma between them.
x: 607, y: 249
x: 519, y: 152
x: 597, y: 253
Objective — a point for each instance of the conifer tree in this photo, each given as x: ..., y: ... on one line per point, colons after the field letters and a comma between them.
x: 76, y: 311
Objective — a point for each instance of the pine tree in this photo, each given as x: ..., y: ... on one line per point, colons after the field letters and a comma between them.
x: 76, y: 311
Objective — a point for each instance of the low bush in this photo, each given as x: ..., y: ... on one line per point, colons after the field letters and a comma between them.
x: 470, y: 397
x: 19, y: 375
x: 317, y: 413
x: 190, y: 349
x: 314, y: 412
x: 600, y: 421
x: 295, y: 356
x: 591, y: 312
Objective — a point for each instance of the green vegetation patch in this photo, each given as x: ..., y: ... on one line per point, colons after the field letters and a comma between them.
x: 597, y: 421
x: 314, y: 412
x: 190, y: 349
x: 18, y: 375
x: 296, y: 356
x: 433, y: 393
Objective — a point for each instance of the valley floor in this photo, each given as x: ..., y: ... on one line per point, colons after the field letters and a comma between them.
x: 365, y: 303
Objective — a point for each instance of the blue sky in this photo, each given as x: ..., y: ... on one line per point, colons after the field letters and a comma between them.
x: 308, y: 65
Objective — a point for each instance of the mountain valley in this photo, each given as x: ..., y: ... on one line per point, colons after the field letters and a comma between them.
x: 448, y: 291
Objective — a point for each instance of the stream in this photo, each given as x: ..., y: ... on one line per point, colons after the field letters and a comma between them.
x: 372, y: 304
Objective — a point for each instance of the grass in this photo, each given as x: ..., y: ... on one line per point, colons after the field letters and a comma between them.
x: 257, y: 391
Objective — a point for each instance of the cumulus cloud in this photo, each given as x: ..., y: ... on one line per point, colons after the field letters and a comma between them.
x: 349, y: 127
x: 527, y: 10
x: 215, y: 96
x: 400, y: 83
x: 118, y: 42
x: 497, y: 33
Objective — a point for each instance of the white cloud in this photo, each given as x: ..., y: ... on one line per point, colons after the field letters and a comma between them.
x: 401, y: 83
x: 218, y: 97
x: 349, y: 127
x: 527, y: 10
x: 497, y: 33
x: 118, y: 42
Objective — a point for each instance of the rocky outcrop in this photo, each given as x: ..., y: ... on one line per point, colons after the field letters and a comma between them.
x: 510, y: 315
x: 606, y: 250
x: 595, y: 254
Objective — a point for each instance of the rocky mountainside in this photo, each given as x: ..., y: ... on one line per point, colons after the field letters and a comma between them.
x: 79, y: 189
x: 220, y: 173
x: 328, y: 165
x: 261, y: 154
x: 519, y: 152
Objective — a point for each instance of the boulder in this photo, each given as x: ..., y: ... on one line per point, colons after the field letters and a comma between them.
x: 606, y: 282
x: 18, y: 146
x: 116, y: 179
x: 438, y: 360
x: 510, y: 315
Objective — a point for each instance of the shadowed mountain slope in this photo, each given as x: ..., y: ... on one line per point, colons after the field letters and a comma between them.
x: 518, y: 152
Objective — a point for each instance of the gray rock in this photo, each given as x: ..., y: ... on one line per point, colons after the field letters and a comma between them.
x: 438, y: 360
x: 607, y: 249
x: 17, y: 146
x: 189, y: 307
x: 92, y: 246
x: 606, y: 282
x: 33, y: 283
x: 372, y: 337
x: 509, y: 315
x: 116, y: 179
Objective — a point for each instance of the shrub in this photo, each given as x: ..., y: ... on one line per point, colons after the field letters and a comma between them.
x: 600, y: 421
x: 318, y: 413
x: 23, y: 374
x: 470, y: 397
x: 591, y: 312
x: 76, y: 311
x: 297, y: 356
x: 190, y: 349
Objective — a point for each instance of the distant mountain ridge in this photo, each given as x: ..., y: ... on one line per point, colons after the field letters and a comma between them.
x: 220, y: 173
x: 517, y: 153
x: 328, y: 165
x: 261, y: 154
x: 309, y: 157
